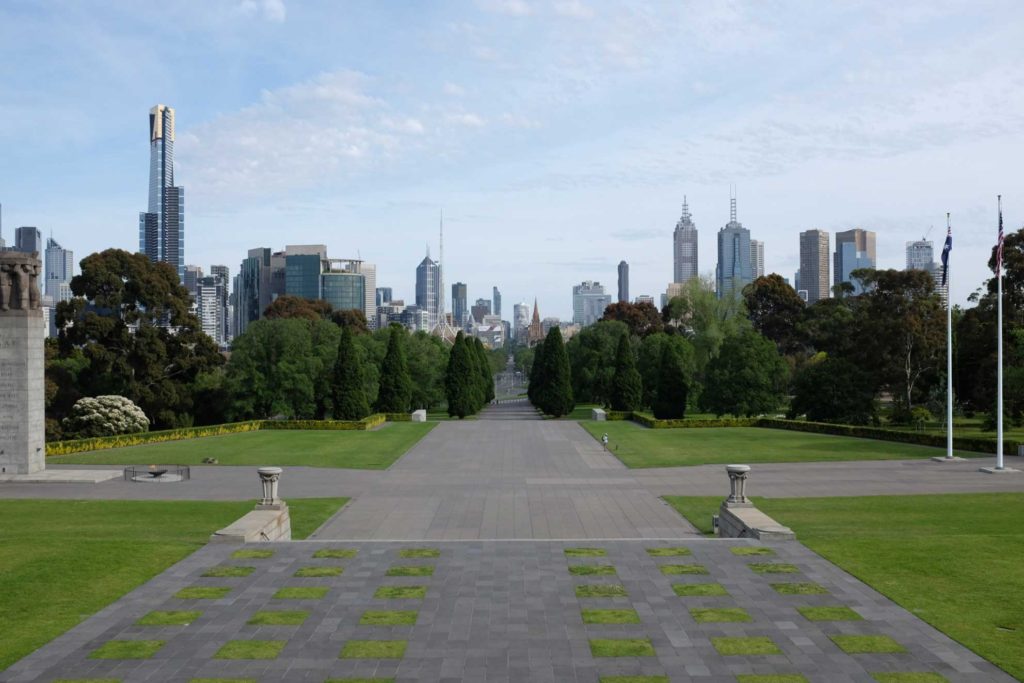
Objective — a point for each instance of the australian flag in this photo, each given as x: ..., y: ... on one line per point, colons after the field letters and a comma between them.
x: 948, y: 247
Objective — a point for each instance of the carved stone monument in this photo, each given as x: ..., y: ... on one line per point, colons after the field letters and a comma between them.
x: 22, y: 333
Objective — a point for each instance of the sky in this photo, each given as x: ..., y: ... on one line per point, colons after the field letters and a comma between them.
x: 558, y: 136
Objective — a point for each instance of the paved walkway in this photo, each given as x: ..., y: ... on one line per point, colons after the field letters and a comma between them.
x: 509, y: 612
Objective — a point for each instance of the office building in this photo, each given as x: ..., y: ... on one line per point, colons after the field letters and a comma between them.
x: 921, y: 256
x: 460, y: 312
x: 756, y: 258
x: 369, y: 273
x: 644, y: 299
x: 59, y: 268
x: 672, y: 290
x: 191, y: 279
x: 415, y: 319
x: 684, y: 247
x: 302, y: 276
x: 211, y: 308
x: 734, y: 270
x: 520, y: 321
x: 623, y: 281
x: 855, y: 249
x: 383, y: 296
x: 162, y: 226
x: 343, y: 285
x: 28, y: 239
x: 481, y: 308
x: 813, y: 276
x: 496, y: 299
x: 224, y: 274
x: 428, y: 289
x: 252, y: 292
x: 589, y: 302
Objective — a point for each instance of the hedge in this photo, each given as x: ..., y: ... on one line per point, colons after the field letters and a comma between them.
x: 649, y: 421
x: 397, y: 417
x: 332, y: 425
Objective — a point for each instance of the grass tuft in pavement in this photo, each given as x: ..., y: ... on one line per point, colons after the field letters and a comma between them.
x: 592, y: 570
x: 610, y: 616
x: 88, y: 680
x: 800, y: 588
x: 247, y: 554
x: 856, y: 645
x: 250, y: 649
x: 374, y: 649
x: 909, y: 677
x: 318, y: 572
x: 411, y: 570
x: 746, y: 550
x: 392, y: 617
x: 600, y: 590
x: 621, y: 647
x: 228, y: 572
x: 335, y: 554
x: 688, y: 590
x: 585, y: 552
x: 202, y: 593
x: 770, y: 678
x: 278, y: 618
x: 773, y: 568
x: 751, y: 645
x: 668, y: 552
x: 127, y: 649
x: 841, y: 613
x: 300, y: 593
x: 675, y: 569
x: 634, y: 679
x: 720, y: 615
x: 171, y: 618
x: 401, y: 592
x: 417, y: 553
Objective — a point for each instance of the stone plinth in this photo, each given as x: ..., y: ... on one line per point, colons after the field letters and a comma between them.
x: 598, y: 414
x: 22, y: 333
x: 419, y: 416
x: 258, y: 526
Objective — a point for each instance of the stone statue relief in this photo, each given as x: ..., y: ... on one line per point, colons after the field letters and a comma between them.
x: 19, y: 281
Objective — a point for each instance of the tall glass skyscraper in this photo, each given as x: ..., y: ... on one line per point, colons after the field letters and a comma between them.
x: 428, y: 289
x: 684, y: 247
x: 734, y: 270
x: 162, y: 226
x: 60, y: 263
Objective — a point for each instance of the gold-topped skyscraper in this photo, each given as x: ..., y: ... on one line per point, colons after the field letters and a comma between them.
x: 162, y: 225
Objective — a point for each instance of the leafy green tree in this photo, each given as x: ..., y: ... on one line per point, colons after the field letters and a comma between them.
x: 627, y: 387
x: 289, y: 306
x: 833, y: 390
x: 537, y: 377
x: 705, y: 319
x: 272, y: 369
x: 351, y: 317
x: 649, y: 364
x: 395, y: 390
x: 555, y: 396
x: 349, y: 393
x: 427, y: 356
x: 460, y: 379
x: 128, y: 331
x: 483, y: 363
x: 747, y: 378
x: 776, y: 311
x: 592, y: 360
x: 642, y: 319
x: 324, y: 337
x: 670, y: 399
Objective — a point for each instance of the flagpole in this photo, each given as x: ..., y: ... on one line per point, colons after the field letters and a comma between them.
x: 949, y: 352
x: 999, y: 346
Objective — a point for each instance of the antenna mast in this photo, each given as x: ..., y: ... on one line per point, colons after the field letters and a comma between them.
x: 442, y: 328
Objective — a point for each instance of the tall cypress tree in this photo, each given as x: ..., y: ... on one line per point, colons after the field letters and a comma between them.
x: 347, y: 391
x: 460, y: 379
x: 670, y: 399
x: 536, y: 375
x: 395, y: 391
x: 556, y: 395
x: 486, y: 378
x: 627, y: 386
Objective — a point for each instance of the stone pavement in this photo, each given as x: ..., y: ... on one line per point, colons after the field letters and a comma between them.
x: 510, y: 611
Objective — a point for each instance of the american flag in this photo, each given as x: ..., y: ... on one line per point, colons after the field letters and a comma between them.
x: 999, y: 246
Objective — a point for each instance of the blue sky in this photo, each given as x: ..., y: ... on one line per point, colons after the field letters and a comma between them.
x: 559, y: 136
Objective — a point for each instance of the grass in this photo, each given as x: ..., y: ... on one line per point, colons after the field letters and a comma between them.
x: 638, y: 446
x: 770, y: 678
x: 634, y: 679
x: 689, y: 590
x: 585, y: 552
x: 581, y: 412
x: 799, y: 588
x: 278, y: 618
x: 250, y: 649
x: 250, y: 554
x: 721, y: 615
x: 601, y: 590
x: 592, y: 570
x: 127, y: 649
x: 748, y: 550
x: 374, y: 649
x: 751, y: 645
x: 828, y: 614
x: 317, y: 572
x: 773, y: 568
x: 170, y: 618
x: 668, y: 552
x: 202, y: 592
x: 392, y: 617
x: 411, y: 570
x: 373, y: 450
x: 335, y: 554
x: 87, y: 680
x: 622, y: 647
x: 909, y: 677
x: 676, y: 569
x: 610, y: 616
x: 419, y: 553
x: 228, y: 572
x: 858, y: 645
x: 300, y: 593
x: 401, y: 592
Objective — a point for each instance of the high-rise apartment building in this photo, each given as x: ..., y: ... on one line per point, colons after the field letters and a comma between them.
x: 211, y: 308
x: 224, y: 275
x: 460, y: 309
x: 734, y: 270
x: 623, y: 281
x: 496, y: 298
x: 589, y: 302
x: 369, y: 273
x: 813, y: 274
x: 60, y: 264
x: 162, y: 225
x: 428, y: 289
x: 684, y: 247
x: 854, y: 249
x: 756, y: 258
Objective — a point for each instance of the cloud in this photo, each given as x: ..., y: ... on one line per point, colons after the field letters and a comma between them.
x: 515, y: 8
x: 572, y: 8
x: 466, y: 119
x: 453, y: 90
x: 271, y: 10
x: 407, y: 125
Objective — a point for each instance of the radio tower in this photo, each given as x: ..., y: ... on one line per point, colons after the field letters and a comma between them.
x: 442, y: 329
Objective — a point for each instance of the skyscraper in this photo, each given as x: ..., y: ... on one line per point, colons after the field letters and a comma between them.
x: 481, y: 308
x: 813, y: 274
x: 191, y: 278
x: 383, y: 296
x: 343, y: 285
x: 684, y: 247
x: 369, y: 273
x: 520, y: 321
x: 756, y: 258
x: 496, y: 298
x: 588, y: 302
x: 459, y: 304
x: 162, y: 226
x: 252, y: 288
x: 28, y: 240
x: 734, y: 271
x: 854, y: 249
x: 60, y: 264
x: 211, y: 308
x: 224, y: 274
x: 921, y: 256
x: 623, y: 281
x: 428, y: 289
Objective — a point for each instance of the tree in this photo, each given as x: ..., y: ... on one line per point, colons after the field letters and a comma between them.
x: 537, y: 376
x: 555, y: 396
x: 395, y: 390
x: 649, y: 364
x: 105, y: 416
x: 592, y: 360
x: 288, y: 306
x: 627, y: 387
x: 427, y: 356
x: 642, y: 319
x: 833, y: 390
x: 705, y: 319
x: 351, y: 317
x: 349, y: 394
x: 775, y: 310
x: 272, y: 370
x: 129, y: 332
x: 670, y: 399
x: 460, y: 378
x: 747, y: 378
x: 484, y: 369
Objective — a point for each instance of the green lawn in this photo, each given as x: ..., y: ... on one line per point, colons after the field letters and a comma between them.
x: 638, y: 446
x: 71, y: 558
x: 954, y: 560
x: 372, y: 450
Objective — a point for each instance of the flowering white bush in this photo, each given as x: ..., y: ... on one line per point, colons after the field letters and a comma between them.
x: 105, y: 416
